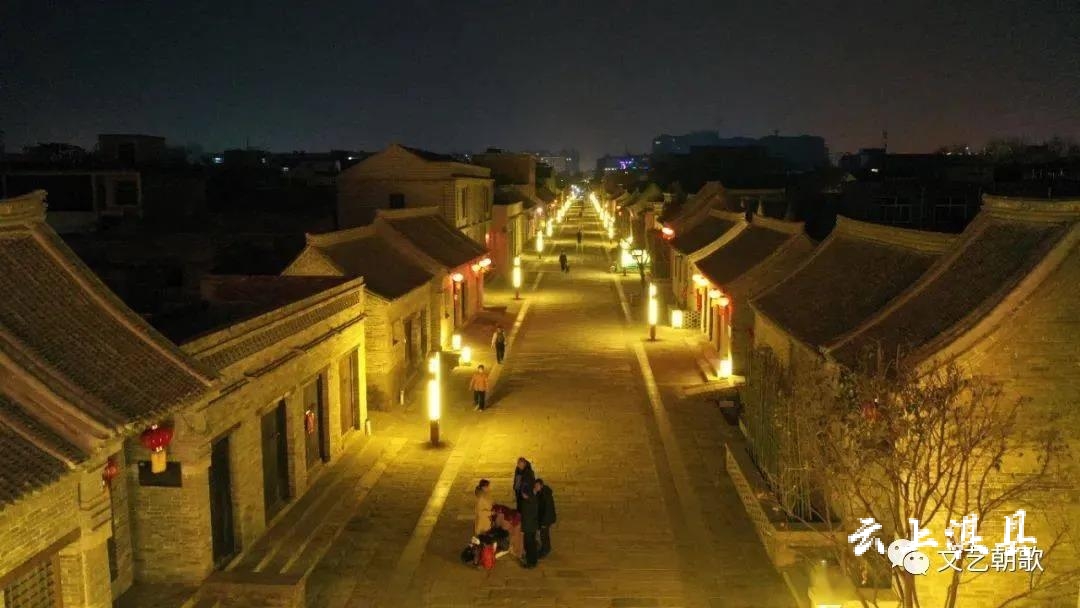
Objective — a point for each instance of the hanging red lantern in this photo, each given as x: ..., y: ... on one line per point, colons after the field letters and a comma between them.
x: 110, y: 472
x: 156, y: 439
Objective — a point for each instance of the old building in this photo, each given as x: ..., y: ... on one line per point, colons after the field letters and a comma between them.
x: 400, y: 316
x: 155, y: 464
x: 995, y: 300
x: 426, y: 280
x: 724, y: 278
x: 400, y: 177
x: 81, y: 373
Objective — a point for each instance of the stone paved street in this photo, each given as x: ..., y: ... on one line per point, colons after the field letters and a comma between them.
x: 646, y: 515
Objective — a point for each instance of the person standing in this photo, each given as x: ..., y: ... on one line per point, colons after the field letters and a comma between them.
x: 498, y: 342
x: 579, y: 237
x: 479, y: 385
x: 545, y: 503
x: 564, y: 264
x: 530, y: 524
x: 523, y: 479
x: 484, y: 505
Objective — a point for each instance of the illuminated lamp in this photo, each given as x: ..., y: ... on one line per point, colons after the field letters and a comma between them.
x: 457, y: 277
x: 668, y: 232
x: 455, y: 342
x: 466, y: 356
x: 723, y: 301
x: 654, y: 311
x: 434, y: 408
x: 433, y: 364
x: 652, y: 290
x: 725, y: 367
x: 484, y: 263
x: 715, y: 293
x: 156, y: 439
x: 677, y: 319
x: 476, y: 268
x: 697, y: 278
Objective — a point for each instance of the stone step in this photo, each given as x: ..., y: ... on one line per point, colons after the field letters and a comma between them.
x: 303, y: 511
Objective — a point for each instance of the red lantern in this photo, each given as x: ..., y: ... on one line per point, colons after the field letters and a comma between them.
x: 156, y: 439
x: 110, y: 472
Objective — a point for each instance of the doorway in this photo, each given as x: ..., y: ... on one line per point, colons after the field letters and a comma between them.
x: 275, y: 461
x: 350, y: 391
x: 221, y: 507
x: 315, y: 422
x: 464, y: 297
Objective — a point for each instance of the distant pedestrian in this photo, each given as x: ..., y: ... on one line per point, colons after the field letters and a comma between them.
x: 579, y: 237
x: 498, y: 342
x: 545, y: 502
x: 524, y: 477
x: 530, y: 526
x: 479, y: 386
x: 564, y: 263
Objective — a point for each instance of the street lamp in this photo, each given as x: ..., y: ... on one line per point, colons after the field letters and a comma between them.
x: 550, y: 227
x: 654, y: 311
x: 540, y: 244
x: 517, y: 277
x: 434, y: 399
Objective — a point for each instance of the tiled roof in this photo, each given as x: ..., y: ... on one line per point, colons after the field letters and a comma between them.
x: 31, y: 455
x: 774, y: 269
x: 387, y: 272
x: 742, y: 253
x: 850, y: 277
x: 991, y: 263
x: 701, y: 234
x: 62, y: 317
x: 279, y: 332
x: 436, y: 238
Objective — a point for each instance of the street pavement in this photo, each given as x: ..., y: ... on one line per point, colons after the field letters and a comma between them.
x: 646, y: 513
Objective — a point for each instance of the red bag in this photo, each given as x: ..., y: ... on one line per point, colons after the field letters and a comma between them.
x: 487, y: 557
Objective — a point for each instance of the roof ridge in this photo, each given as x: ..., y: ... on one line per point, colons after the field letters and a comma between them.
x: 920, y: 240
x: 23, y: 210
x: 787, y: 226
x: 334, y: 237
x: 731, y: 216
x: 398, y: 214
x: 1031, y: 209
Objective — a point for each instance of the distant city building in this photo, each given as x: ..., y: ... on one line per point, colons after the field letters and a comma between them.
x: 564, y: 162
x: 625, y: 163
x: 799, y: 152
x: 131, y: 149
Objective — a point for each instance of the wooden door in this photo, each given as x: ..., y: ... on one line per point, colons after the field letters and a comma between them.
x: 275, y: 461
x: 315, y: 422
x: 221, y: 507
x: 349, y: 388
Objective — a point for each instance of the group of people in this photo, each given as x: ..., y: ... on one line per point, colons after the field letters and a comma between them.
x: 527, y: 526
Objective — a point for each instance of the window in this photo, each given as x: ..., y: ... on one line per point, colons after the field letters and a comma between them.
x: 38, y: 587
x: 397, y: 200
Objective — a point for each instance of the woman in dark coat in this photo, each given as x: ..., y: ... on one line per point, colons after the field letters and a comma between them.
x: 524, y: 478
x: 530, y: 525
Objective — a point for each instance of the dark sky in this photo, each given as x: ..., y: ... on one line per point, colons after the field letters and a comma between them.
x: 599, y: 76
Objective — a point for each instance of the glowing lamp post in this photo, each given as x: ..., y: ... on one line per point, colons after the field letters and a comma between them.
x: 466, y: 356
x: 455, y: 341
x: 610, y: 233
x: 517, y: 277
x: 677, y: 319
x: 550, y: 228
x: 654, y: 311
x: 539, y: 244
x: 434, y: 399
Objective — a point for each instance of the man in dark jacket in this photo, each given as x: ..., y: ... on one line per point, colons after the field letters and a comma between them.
x: 530, y: 524
x: 523, y: 479
x: 545, y: 507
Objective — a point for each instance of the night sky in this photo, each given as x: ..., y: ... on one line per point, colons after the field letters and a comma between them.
x: 599, y: 76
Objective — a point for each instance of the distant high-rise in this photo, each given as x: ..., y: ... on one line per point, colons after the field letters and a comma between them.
x: 564, y: 162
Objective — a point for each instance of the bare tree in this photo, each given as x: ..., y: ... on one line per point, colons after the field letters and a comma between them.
x: 895, y: 443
